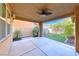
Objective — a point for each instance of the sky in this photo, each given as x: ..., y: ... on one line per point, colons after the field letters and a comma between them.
x: 53, y: 22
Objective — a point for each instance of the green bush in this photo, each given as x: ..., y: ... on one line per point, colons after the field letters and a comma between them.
x: 57, y: 37
x: 69, y: 30
x: 35, y: 31
x: 67, y: 26
x: 17, y: 35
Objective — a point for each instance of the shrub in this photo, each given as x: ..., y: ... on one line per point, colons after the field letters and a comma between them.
x: 69, y: 30
x: 57, y: 37
x: 17, y: 35
x: 35, y: 31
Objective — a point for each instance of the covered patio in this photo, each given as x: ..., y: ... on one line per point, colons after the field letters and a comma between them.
x: 41, y: 46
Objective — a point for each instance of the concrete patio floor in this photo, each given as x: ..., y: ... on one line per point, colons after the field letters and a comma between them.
x: 40, y: 46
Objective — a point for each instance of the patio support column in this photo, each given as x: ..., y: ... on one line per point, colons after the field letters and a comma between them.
x: 77, y: 28
x: 40, y: 29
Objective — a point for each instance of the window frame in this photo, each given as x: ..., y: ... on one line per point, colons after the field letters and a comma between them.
x: 7, y: 23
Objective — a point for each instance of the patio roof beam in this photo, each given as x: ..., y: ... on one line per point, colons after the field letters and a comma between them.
x: 25, y: 19
x: 40, y: 29
x: 77, y: 28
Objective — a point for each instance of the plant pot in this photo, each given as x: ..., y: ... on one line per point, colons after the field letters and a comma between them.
x: 16, y: 39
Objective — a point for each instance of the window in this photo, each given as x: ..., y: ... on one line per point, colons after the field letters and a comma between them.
x: 4, y: 21
x: 2, y: 28
x: 2, y: 10
x: 8, y: 22
x: 8, y: 28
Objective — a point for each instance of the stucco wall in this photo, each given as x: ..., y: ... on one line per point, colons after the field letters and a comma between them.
x: 5, y: 45
x: 24, y: 26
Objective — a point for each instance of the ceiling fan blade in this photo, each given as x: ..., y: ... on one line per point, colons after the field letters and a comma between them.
x: 48, y: 13
x: 44, y: 11
x: 39, y: 13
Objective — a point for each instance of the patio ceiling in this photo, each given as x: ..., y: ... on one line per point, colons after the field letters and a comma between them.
x: 28, y: 11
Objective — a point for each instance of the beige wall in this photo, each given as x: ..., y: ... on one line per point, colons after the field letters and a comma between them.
x: 24, y: 26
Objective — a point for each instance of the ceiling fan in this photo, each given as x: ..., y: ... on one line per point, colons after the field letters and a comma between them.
x: 44, y: 11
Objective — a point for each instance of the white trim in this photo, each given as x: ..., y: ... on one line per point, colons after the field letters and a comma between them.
x: 8, y: 8
x: 2, y: 18
x: 4, y: 38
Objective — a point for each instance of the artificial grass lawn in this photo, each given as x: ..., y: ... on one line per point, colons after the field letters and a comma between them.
x: 57, y: 37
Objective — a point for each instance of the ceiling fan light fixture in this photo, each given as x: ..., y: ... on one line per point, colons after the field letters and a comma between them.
x: 44, y: 12
x: 43, y: 15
